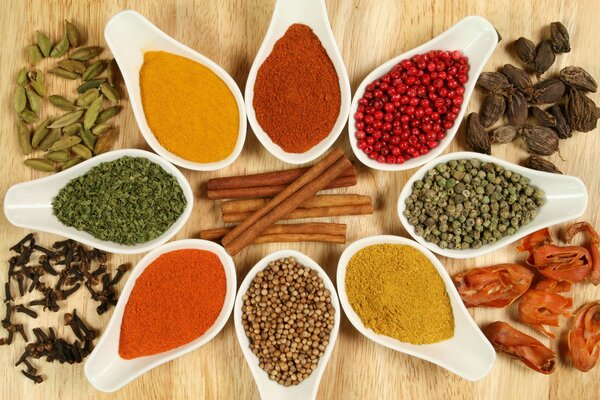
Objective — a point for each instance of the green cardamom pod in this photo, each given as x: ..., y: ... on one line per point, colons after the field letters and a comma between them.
x: 104, y: 143
x: 29, y: 116
x: 477, y: 138
x: 71, y: 163
x: 88, y: 97
x: 107, y: 114
x: 35, y: 55
x: 63, y: 73
x: 19, y: 99
x: 91, y: 114
x: 40, y: 133
x: 65, y: 143
x: 60, y: 48
x: 560, y: 38
x: 61, y: 102
x: 110, y: 93
x: 94, y: 70
x: 72, y: 129
x: 86, y: 53
x: 49, y: 140
x: 91, y: 84
x: 67, y: 119
x: 40, y: 164
x: 99, y: 129
x: 44, y: 43
x: 38, y: 83
x: 34, y: 99
x: 113, y: 74
x: 89, y: 139
x: 58, y: 156
x: 72, y: 34
x: 24, y: 137
x: 22, y: 78
x: 72, y: 66
x: 82, y: 151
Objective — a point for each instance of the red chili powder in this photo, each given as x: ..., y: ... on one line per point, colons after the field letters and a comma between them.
x: 297, y: 94
x: 174, y: 301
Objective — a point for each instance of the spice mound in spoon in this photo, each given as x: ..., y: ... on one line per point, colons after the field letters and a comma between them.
x: 288, y: 317
x: 175, y: 300
x: 397, y: 292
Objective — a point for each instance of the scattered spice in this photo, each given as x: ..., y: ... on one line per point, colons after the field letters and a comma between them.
x: 467, y: 203
x: 297, y: 109
x: 399, y: 118
x: 540, y: 164
x: 191, y: 111
x: 583, y: 340
x: 129, y: 200
x: 397, y: 292
x: 287, y: 291
x: 175, y: 300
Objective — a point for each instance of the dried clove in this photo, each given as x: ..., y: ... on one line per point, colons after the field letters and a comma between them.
x: 578, y: 78
x: 20, y: 282
x: 544, y: 58
x: 560, y: 38
x: 21, y: 242
x: 540, y: 164
x: 525, y: 50
x: 66, y: 293
x: 121, y: 269
x: 7, y: 294
x: 34, y: 378
x: 6, y: 320
x: 72, y: 323
x: 45, y: 263
x: 22, y: 309
x: 477, y: 138
x: 89, y: 333
x: 540, y: 140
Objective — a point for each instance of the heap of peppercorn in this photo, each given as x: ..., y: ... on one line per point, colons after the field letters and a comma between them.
x: 512, y: 92
x: 30, y: 274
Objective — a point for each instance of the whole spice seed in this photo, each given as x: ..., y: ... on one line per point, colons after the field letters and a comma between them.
x: 540, y: 140
x: 88, y: 97
x: 540, y: 164
x: 397, y: 292
x: 154, y: 323
x: 578, y: 78
x: 91, y: 84
x: 492, y: 109
x: 58, y: 156
x: 19, y: 99
x: 581, y: 111
x: 288, y: 317
x: 477, y: 138
x: 44, y: 44
x: 137, y: 199
x: 67, y: 119
x: 72, y: 65
x: 88, y: 139
x: 504, y: 134
x: 35, y: 55
x: 99, y: 129
x: 91, y: 114
x: 94, y: 70
x: 22, y: 78
x: 560, y: 38
x: 63, y: 73
x: 72, y: 129
x: 40, y: 133
x: 104, y: 142
x: 525, y: 50
x: 494, y: 81
x: 61, y: 102
x: 544, y: 58
x: 65, y: 143
x: 72, y: 162
x: 110, y: 93
x: 562, y: 128
x: 107, y: 114
x: 519, y: 78
x: 29, y: 116
x: 49, y: 140
x: 543, y: 117
x: 40, y: 164
x: 34, y: 100
x: 548, y: 91
x: 60, y: 48
x: 113, y: 74
x: 24, y: 135
x: 82, y: 151
x: 85, y: 53
x: 37, y: 82
x: 517, y: 109
x: 468, y: 203
x: 73, y: 34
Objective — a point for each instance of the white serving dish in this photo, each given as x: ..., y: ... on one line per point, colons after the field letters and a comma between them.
x: 468, y: 353
x: 566, y: 199
x: 29, y: 204
x: 106, y: 370
x: 313, y: 14
x: 268, y: 389
x: 128, y: 35
x: 477, y: 39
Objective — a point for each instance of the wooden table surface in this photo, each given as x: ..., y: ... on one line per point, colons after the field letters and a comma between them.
x: 368, y: 33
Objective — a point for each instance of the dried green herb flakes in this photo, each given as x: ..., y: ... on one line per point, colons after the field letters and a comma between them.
x: 129, y: 200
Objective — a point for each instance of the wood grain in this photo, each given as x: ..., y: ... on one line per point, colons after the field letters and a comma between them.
x: 368, y: 33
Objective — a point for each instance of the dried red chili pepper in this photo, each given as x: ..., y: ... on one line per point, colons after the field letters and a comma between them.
x: 530, y: 351
x: 562, y: 263
x: 538, y: 308
x: 494, y: 286
x: 584, y: 338
x: 593, y: 243
x: 535, y: 239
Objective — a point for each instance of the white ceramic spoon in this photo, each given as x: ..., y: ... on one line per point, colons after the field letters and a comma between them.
x: 566, y: 199
x: 106, y: 370
x: 268, y: 389
x: 29, y: 204
x: 313, y: 14
x: 468, y: 354
x: 476, y: 38
x: 129, y: 35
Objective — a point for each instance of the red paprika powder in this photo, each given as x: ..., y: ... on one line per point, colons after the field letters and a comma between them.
x: 174, y: 301
x: 297, y: 93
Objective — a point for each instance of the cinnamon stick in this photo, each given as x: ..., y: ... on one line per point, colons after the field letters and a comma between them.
x: 315, y: 179
x: 314, y: 212
x: 308, y: 232
x: 323, y: 200
x: 275, y: 178
x: 270, y: 191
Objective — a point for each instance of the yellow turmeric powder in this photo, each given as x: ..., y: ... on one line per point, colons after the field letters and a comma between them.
x: 397, y: 292
x: 189, y: 109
